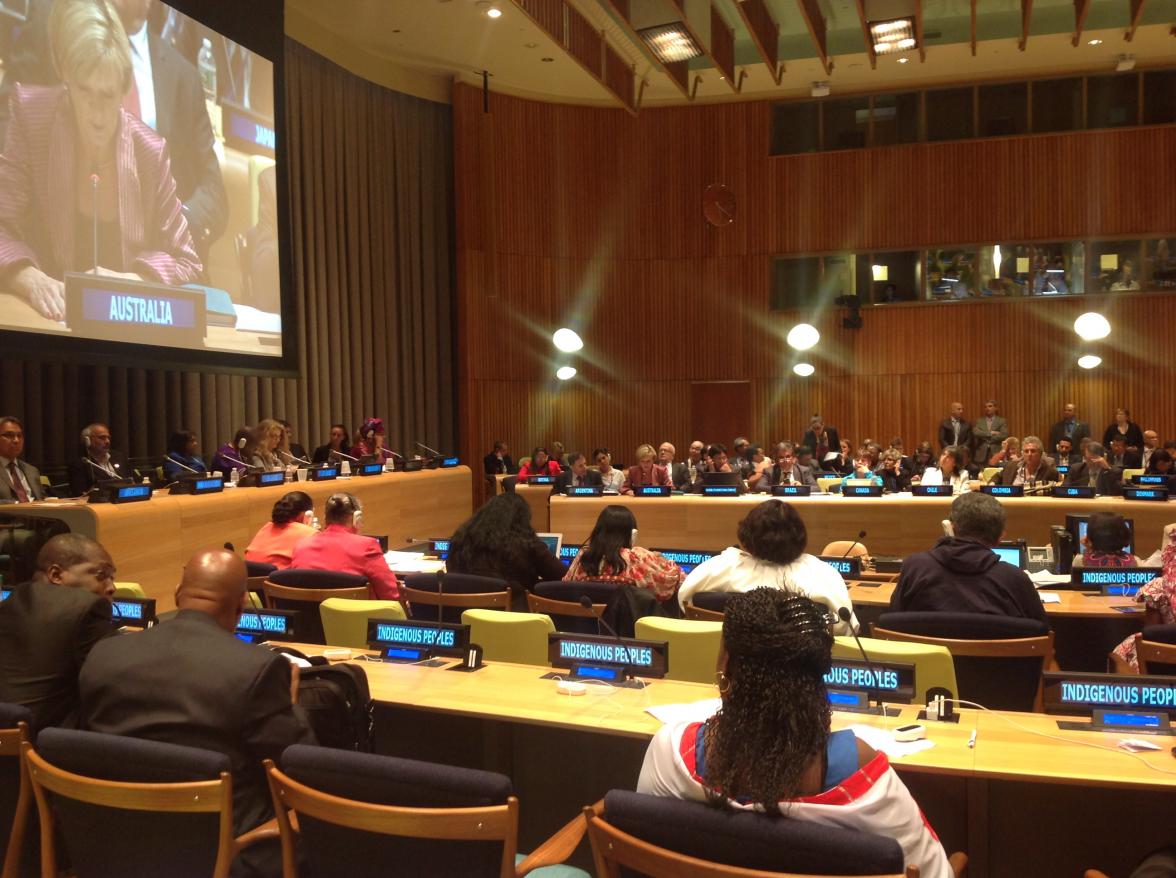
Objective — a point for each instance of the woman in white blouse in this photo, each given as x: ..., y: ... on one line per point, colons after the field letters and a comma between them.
x: 612, y: 477
x: 949, y: 472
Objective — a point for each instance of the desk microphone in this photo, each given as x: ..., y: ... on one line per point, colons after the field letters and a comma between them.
x: 432, y: 451
x: 185, y: 466
x: 106, y: 474
x: 343, y: 454
x: 586, y: 603
x: 440, y: 595
x: 290, y: 456
x: 248, y: 466
x: 861, y: 536
x: 844, y: 614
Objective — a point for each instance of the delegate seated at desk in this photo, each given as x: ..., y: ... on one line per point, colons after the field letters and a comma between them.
x: 785, y: 471
x: 1096, y: 472
x: 55, y: 137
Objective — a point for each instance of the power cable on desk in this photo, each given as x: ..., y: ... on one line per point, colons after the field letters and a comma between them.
x: 1117, y: 750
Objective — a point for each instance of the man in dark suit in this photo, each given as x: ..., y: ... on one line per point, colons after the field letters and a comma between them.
x: 679, y: 472
x: 1121, y: 457
x: 1064, y: 454
x: 98, y: 463
x: 1031, y: 469
x: 189, y: 681
x: 498, y: 460
x: 821, y: 439
x: 577, y: 475
x: 1096, y: 471
x: 177, y: 109
x: 954, y: 430
x: 49, y: 625
x: 1069, y: 427
x: 20, y: 481
x: 785, y: 471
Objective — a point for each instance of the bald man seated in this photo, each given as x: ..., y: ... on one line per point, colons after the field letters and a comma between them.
x: 190, y: 681
x: 49, y: 625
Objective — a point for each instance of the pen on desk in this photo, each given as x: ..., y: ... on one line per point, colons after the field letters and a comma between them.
x: 972, y: 740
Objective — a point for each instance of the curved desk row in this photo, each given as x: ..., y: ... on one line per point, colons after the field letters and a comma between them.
x: 894, y: 524
x: 151, y: 541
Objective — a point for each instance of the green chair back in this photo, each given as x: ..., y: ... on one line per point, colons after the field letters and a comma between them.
x: 510, y: 637
x: 345, y: 621
x: 694, y: 645
x: 128, y: 590
x: 933, y: 664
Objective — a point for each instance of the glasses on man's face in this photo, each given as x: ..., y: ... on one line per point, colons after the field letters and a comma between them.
x: 12, y: 437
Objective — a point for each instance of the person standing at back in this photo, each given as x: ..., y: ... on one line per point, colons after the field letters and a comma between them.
x: 962, y: 574
x: 189, y: 681
x: 954, y: 430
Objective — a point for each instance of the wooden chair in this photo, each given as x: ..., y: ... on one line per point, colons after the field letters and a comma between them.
x: 553, y: 608
x: 995, y: 671
x: 702, y: 615
x: 443, y: 597
x: 670, y: 838
x: 87, y: 808
x: 486, y: 600
x: 843, y: 547
x: 1156, y: 656
x: 562, y: 602
x: 16, y: 796
x: 307, y: 600
x: 354, y: 810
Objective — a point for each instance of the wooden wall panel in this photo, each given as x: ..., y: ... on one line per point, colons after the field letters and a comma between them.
x: 591, y: 218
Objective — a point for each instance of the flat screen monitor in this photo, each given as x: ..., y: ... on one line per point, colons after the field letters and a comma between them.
x: 192, y: 274
x: 552, y: 541
x: 721, y: 479
x: 1013, y: 552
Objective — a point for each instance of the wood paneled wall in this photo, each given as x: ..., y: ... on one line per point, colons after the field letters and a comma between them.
x: 591, y: 218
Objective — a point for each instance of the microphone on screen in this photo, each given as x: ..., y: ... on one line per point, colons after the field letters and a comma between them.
x: 846, y: 616
x: 94, y: 180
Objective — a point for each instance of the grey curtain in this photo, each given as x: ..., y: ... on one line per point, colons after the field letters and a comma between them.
x: 371, y: 196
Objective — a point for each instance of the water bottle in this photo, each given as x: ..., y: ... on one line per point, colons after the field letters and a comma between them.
x: 207, y: 65
x: 234, y: 477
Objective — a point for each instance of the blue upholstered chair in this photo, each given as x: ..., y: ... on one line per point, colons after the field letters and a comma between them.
x: 425, y: 818
x: 303, y: 590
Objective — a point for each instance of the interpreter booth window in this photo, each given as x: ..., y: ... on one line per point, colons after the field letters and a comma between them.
x: 1057, y: 105
x: 846, y: 123
x: 885, y: 278
x: 1159, y: 264
x: 1112, y: 101
x: 795, y: 128
x: 952, y: 274
x: 1114, y: 266
x: 1159, y: 97
x: 896, y: 119
x: 1003, y: 110
x: 1038, y: 269
x: 949, y: 114
x: 796, y: 282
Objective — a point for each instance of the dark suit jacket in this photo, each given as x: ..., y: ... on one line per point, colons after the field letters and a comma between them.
x: 946, y: 433
x: 492, y: 466
x: 38, y: 198
x: 47, y: 631
x: 680, y: 474
x: 190, y: 682
x: 83, y: 477
x: 1058, y: 432
x: 801, y: 475
x: 1131, y: 460
x: 32, y: 476
x: 182, y: 118
x: 567, y: 478
x: 810, y: 439
x: 1008, y: 474
x: 892, y: 482
x: 1110, y: 481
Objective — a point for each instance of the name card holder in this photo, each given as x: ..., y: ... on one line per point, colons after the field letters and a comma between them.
x: 133, y: 612
x: 540, y: 480
x: 1114, y: 581
x: 450, y: 462
x: 652, y: 491
x: 720, y: 490
x: 932, y: 490
x: 198, y: 485
x: 367, y: 469
x: 1149, y: 479
x: 850, y: 567
x: 1073, y: 492
x: 1114, y: 702
x: 585, y: 491
x: 429, y: 638
x: 1152, y: 493
x: 262, y: 480
x: 861, y: 491
x: 792, y: 490
x: 1004, y: 490
x: 611, y: 660
x: 121, y: 491
x: 327, y: 473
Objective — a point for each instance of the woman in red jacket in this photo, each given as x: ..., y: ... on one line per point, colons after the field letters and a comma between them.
x: 540, y: 464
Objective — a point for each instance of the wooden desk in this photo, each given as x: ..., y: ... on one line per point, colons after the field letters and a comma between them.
x: 150, y: 542
x: 1019, y: 804
x: 537, y: 497
x: 1074, y: 604
x: 895, y: 525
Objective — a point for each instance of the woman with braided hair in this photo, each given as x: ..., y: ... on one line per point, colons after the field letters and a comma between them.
x: 769, y: 748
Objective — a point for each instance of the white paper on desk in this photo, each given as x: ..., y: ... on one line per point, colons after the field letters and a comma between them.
x: 250, y: 319
x: 1044, y: 577
x: 694, y: 711
x: 1049, y: 597
x: 883, y: 740
x: 412, y: 562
